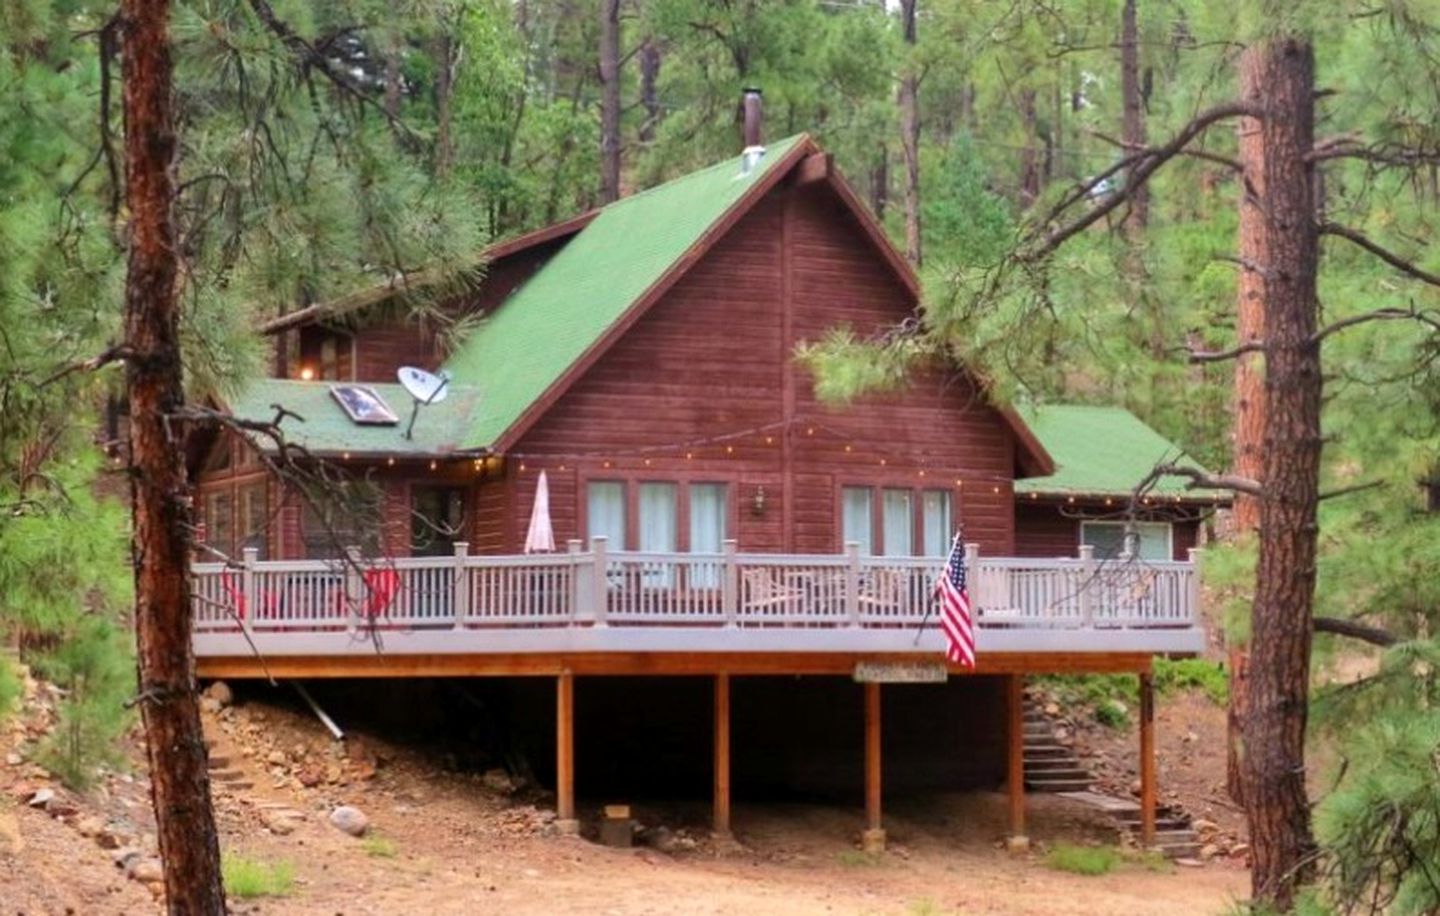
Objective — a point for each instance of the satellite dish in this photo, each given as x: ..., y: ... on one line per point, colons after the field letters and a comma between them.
x: 425, y: 387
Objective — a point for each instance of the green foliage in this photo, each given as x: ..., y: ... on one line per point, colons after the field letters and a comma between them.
x: 1108, y: 698
x: 1083, y: 860
x: 246, y: 878
x: 379, y: 846
x: 11, y: 688
x: 91, y: 664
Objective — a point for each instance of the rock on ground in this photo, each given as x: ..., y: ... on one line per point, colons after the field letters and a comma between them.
x: 349, y: 820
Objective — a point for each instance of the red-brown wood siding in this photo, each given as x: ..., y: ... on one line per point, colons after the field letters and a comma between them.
x: 1044, y: 530
x: 712, y: 359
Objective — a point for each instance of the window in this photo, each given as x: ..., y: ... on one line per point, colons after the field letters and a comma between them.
x: 658, y: 527
x: 605, y: 512
x: 363, y: 406
x: 708, y: 522
x: 254, y: 517
x: 937, y: 532
x: 855, y: 523
x: 342, y: 516
x: 898, y: 516
x: 1148, y: 540
x: 329, y: 359
x: 220, y: 522
x: 437, y: 520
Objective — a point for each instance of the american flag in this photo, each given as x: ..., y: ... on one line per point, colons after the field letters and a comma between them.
x: 955, y: 618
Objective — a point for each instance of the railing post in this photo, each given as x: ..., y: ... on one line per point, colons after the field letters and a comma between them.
x: 1196, y: 555
x: 600, y: 588
x: 579, y: 584
x: 1087, y: 583
x: 460, y: 602
x: 249, y: 556
x: 852, y: 582
x: 354, y: 587
x: 975, y: 583
x: 730, y: 584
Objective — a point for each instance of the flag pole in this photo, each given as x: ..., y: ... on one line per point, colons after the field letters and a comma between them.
x: 930, y: 605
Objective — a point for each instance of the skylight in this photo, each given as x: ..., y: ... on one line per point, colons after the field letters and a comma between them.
x: 363, y: 406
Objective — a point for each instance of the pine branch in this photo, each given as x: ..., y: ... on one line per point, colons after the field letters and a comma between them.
x: 1145, y: 163
x: 1389, y: 257
x: 1217, y: 356
x: 1376, y: 636
x: 311, y: 57
x: 1383, y: 314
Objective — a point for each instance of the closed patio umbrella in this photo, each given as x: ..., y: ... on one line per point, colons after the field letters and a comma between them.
x: 541, y: 536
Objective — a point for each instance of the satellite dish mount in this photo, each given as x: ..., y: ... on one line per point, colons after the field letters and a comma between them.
x: 425, y: 387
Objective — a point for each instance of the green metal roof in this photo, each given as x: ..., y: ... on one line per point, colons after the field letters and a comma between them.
x: 547, y: 325
x: 324, y: 428
x: 1102, y: 451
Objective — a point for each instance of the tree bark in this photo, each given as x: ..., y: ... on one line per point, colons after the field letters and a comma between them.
x: 880, y: 183
x: 1248, y: 396
x: 180, y: 788
x: 1030, y: 155
x: 609, y: 101
x: 650, y: 59
x: 1277, y: 701
x: 444, y: 50
x: 1133, y: 102
x: 392, y: 81
x: 909, y: 100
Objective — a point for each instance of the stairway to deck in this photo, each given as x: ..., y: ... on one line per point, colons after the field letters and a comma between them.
x: 1052, y: 766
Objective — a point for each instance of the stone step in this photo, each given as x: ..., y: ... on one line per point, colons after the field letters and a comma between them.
x: 227, y: 775
x: 219, y: 762
x: 1039, y: 729
x: 1052, y: 763
x: 1074, y: 774
x: 1047, y: 750
x: 1059, y: 785
x: 1179, y: 850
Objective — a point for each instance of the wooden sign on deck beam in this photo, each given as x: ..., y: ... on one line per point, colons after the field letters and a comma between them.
x: 901, y: 673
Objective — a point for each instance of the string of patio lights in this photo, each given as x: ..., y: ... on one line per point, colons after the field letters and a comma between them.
x: 726, y: 445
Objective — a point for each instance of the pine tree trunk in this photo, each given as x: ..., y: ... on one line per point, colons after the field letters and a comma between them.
x: 910, y: 135
x: 649, y: 96
x: 880, y: 183
x: 444, y: 98
x: 1030, y: 154
x: 392, y: 82
x: 1134, y: 112
x: 1248, y: 437
x: 180, y: 789
x: 1273, y: 762
x: 609, y: 101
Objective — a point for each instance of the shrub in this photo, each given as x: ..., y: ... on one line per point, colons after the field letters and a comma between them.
x: 1083, y: 860
x: 380, y: 847
x: 10, y: 688
x: 1192, y: 674
x: 93, y: 666
x: 246, y: 878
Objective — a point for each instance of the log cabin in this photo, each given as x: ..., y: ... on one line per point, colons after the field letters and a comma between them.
x: 631, y: 374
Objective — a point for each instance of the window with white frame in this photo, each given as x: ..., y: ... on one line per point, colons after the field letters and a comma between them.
x: 856, y: 524
x: 605, y: 512
x: 897, y: 513
x: 937, y: 532
x: 1142, y: 540
x: 709, y: 519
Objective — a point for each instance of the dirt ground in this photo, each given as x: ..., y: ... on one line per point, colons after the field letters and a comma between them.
x: 458, y: 843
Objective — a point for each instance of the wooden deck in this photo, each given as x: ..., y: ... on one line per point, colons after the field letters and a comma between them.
x: 477, y: 614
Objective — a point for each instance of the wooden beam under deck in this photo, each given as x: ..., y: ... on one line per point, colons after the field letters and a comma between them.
x: 1015, y: 756
x: 874, y: 836
x: 378, y: 665
x: 1147, y: 758
x: 722, y: 754
x: 565, y: 753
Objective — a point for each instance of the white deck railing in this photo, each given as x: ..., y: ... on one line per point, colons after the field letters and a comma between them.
x: 763, y: 601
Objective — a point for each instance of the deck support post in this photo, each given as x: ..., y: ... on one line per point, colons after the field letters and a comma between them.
x: 873, y: 839
x: 1147, y: 759
x: 460, y: 598
x: 1017, y: 841
x: 565, y: 821
x: 722, y: 755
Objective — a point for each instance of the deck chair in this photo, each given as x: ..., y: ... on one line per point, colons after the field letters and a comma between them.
x: 763, y: 590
